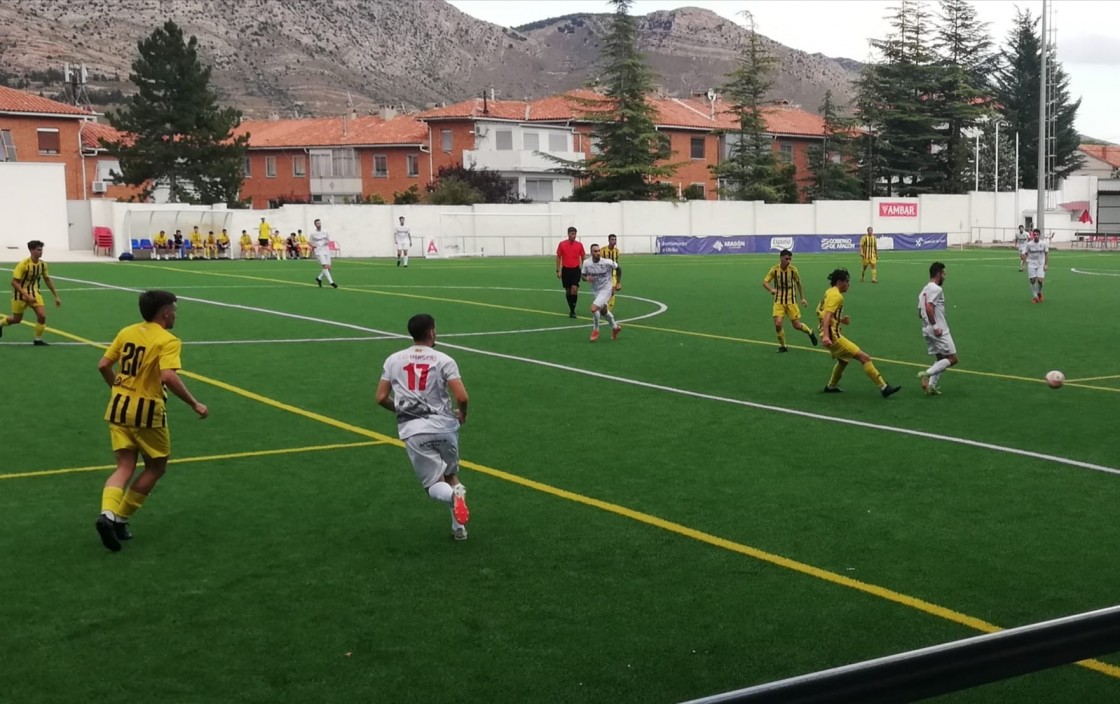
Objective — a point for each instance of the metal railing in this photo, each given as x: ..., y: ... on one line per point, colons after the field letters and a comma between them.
x: 950, y: 667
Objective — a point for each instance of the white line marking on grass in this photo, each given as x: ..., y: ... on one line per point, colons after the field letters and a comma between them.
x: 1094, y: 273
x: 660, y: 308
x: 925, y: 435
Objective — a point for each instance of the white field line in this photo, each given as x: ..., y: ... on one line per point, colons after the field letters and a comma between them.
x: 925, y: 435
x: 1095, y: 273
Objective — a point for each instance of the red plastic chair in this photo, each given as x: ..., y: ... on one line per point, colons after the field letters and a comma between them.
x: 335, y: 249
x: 103, y: 239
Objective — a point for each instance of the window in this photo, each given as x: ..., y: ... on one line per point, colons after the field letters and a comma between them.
x: 557, y: 142
x: 700, y: 189
x: 299, y: 166
x: 413, y: 163
x: 108, y: 169
x: 7, y: 147
x: 531, y: 141
x: 334, y: 163
x: 664, y: 142
x: 380, y: 166
x: 697, y: 147
x: 49, y: 142
x: 786, y: 153
x: 596, y: 146
x: 538, y: 189
x: 503, y: 140
x: 445, y: 140
x: 270, y: 167
x: 834, y: 157
x: 247, y: 167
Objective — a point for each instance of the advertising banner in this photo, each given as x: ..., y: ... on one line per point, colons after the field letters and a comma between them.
x: 803, y: 244
x: 901, y: 209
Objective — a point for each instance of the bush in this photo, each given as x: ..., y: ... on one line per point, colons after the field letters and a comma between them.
x: 453, y: 191
x: 694, y: 192
x: 409, y: 196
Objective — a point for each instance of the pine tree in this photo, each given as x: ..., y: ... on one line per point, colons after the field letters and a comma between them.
x: 1017, y: 87
x: 177, y: 134
x: 632, y: 153
x: 893, y: 97
x: 832, y: 162
x: 988, y: 159
x: 960, y: 97
x: 751, y: 170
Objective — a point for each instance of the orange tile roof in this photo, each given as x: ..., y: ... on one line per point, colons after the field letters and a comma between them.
x: 1108, y: 153
x: 94, y: 132
x: 333, y: 132
x: 691, y: 113
x: 12, y: 100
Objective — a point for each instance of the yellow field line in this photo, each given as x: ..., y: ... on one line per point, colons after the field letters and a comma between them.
x: 647, y: 519
x: 372, y: 291
x: 1093, y: 378
x: 204, y: 458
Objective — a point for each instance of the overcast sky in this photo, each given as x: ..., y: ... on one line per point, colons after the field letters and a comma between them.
x: 1088, y: 33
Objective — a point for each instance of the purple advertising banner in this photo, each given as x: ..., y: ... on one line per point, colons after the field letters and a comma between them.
x: 806, y: 244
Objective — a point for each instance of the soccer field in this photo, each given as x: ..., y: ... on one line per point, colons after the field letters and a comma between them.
x: 673, y: 514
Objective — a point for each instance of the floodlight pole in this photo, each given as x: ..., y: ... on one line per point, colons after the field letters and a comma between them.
x: 1040, y: 214
x: 995, y: 172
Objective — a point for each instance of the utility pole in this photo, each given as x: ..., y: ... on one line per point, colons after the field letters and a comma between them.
x: 1040, y: 213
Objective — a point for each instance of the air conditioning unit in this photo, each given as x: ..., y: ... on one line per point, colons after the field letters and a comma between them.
x: 481, y: 131
x: 100, y: 186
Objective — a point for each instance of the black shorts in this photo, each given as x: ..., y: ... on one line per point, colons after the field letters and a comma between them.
x: 569, y: 276
x: 264, y: 242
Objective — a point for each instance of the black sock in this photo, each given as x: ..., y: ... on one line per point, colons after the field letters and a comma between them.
x: 572, y: 300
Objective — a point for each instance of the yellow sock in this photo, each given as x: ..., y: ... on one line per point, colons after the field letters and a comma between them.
x: 40, y: 328
x: 131, y: 503
x: 837, y: 372
x: 111, y: 498
x: 4, y: 321
x: 807, y: 330
x: 782, y: 337
x: 874, y: 273
x: 874, y: 375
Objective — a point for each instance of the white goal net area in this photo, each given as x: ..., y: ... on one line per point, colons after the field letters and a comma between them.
x: 495, y: 235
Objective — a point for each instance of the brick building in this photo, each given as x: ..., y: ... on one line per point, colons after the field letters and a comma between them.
x: 40, y: 130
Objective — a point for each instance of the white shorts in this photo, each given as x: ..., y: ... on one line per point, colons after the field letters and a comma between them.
x: 433, y: 456
x: 324, y: 259
x: 1036, y: 271
x: 602, y: 298
x: 943, y: 345
x: 1023, y: 250
x: 402, y: 244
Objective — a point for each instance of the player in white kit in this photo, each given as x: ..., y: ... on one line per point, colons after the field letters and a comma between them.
x: 1038, y: 260
x: 417, y: 385
x: 321, y: 245
x: 935, y: 329
x: 402, y: 237
x: 599, y: 272
x: 1021, y: 239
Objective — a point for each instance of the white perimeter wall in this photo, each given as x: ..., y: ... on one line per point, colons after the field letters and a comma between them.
x: 33, y: 203
x: 37, y: 205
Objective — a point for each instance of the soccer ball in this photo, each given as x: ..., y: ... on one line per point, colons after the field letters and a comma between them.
x: 1055, y: 379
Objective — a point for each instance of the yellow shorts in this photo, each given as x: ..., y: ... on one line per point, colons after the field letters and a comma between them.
x: 871, y: 262
x: 19, y: 305
x: 843, y: 349
x: 787, y: 310
x: 151, y: 442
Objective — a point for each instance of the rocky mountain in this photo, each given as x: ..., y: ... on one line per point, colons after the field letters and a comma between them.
x: 318, y: 57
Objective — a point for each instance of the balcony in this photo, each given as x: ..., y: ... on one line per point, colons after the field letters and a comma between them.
x: 335, y: 186
x: 520, y: 161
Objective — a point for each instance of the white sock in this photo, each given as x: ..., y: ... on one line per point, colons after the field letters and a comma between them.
x: 938, y: 367
x: 441, y: 491
x: 610, y: 319
x: 327, y: 272
x: 934, y: 378
x: 110, y: 515
x: 320, y: 276
x: 595, y: 319
x: 406, y: 260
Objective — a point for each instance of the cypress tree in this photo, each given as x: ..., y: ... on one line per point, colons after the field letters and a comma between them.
x: 832, y: 162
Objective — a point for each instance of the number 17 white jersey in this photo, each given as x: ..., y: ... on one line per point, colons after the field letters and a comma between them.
x: 419, y: 377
